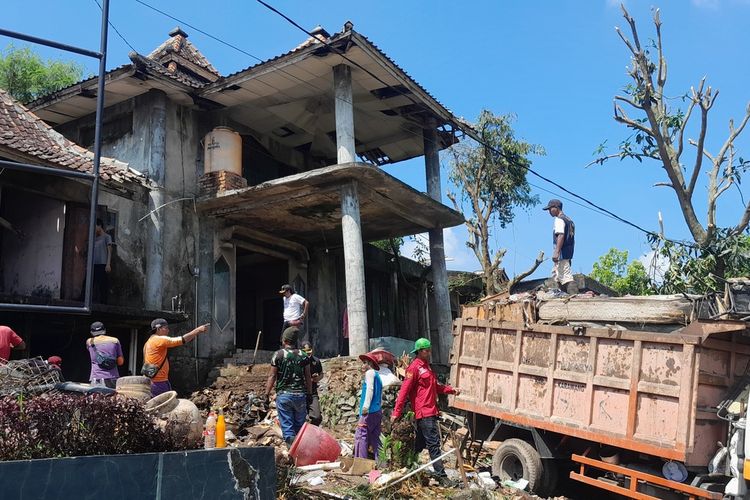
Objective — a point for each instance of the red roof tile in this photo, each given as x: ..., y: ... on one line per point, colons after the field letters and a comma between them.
x: 22, y: 132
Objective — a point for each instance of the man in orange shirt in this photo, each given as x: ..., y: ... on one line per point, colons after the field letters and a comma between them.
x: 155, y: 352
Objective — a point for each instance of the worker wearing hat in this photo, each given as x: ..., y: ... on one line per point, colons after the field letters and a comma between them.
x: 105, y: 354
x: 367, y: 434
x: 155, y: 362
x: 563, y: 241
x: 421, y: 388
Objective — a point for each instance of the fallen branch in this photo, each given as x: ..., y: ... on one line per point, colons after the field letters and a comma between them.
x: 420, y: 469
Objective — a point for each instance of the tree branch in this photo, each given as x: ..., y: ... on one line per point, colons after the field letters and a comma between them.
x: 623, y: 118
x: 519, y: 277
x: 628, y: 101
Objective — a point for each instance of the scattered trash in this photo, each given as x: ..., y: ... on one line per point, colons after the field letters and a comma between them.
x: 484, y: 480
x: 356, y: 466
x: 521, y: 484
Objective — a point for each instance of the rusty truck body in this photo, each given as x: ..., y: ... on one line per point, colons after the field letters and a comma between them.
x: 629, y: 411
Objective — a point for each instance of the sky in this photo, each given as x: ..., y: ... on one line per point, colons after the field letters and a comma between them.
x: 555, y: 65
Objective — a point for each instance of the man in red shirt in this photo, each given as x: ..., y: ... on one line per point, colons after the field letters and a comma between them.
x: 9, y: 340
x: 422, y: 388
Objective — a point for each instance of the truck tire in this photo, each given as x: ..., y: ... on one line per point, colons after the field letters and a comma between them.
x: 516, y: 459
x: 550, y: 477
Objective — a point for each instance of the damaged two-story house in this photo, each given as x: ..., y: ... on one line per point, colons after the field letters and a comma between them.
x: 267, y: 176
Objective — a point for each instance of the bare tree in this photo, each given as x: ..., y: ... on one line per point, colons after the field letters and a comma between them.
x: 659, y: 134
x: 491, y: 180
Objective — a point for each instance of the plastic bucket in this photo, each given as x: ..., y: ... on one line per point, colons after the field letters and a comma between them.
x: 313, y: 445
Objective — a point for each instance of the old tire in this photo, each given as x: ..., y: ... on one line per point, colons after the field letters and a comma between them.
x: 133, y: 380
x: 516, y: 459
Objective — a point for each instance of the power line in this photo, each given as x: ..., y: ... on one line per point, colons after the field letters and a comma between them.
x: 122, y: 37
x: 473, y: 135
x: 588, y: 203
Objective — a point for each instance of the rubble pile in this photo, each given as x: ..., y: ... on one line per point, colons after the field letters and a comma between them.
x: 340, y: 390
x: 237, y: 391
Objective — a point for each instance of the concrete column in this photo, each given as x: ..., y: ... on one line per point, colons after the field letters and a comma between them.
x: 437, y: 249
x: 157, y: 144
x: 354, y: 270
x: 342, y: 89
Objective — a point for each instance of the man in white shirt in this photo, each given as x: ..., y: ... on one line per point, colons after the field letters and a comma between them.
x: 295, y: 308
x: 563, y: 241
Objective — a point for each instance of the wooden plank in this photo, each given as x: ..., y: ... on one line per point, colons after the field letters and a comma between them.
x: 658, y: 309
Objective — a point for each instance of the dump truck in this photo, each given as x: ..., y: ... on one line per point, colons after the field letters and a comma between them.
x: 644, y: 409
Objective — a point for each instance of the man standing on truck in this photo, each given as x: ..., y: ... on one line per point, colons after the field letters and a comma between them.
x: 421, y: 387
x: 563, y: 240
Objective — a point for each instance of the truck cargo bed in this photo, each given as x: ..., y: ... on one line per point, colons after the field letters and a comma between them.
x: 650, y: 392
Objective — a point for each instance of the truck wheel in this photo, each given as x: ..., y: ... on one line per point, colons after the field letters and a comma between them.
x: 516, y: 459
x: 550, y: 476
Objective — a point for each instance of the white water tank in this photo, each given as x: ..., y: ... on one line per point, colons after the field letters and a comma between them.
x: 222, y: 150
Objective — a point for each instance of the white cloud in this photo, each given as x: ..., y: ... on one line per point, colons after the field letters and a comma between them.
x: 458, y: 256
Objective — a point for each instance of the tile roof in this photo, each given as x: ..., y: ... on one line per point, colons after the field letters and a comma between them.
x: 22, y: 132
x: 178, y: 45
x: 151, y: 66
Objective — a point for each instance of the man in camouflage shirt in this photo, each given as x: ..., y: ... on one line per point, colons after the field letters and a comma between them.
x: 290, y: 373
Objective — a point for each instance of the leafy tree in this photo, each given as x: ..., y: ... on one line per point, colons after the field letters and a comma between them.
x: 390, y: 245
x: 658, y: 132
x: 492, y: 185
x: 612, y: 269
x: 691, y: 269
x: 26, y: 76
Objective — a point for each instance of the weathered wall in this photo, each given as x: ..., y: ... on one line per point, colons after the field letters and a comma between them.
x: 127, y: 279
x: 32, y: 264
x: 395, y: 302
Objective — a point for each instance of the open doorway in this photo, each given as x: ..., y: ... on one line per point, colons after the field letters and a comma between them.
x: 259, y: 305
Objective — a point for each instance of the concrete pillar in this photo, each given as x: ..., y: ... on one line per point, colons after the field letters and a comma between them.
x: 437, y: 249
x: 354, y: 270
x: 157, y: 173
x: 342, y: 89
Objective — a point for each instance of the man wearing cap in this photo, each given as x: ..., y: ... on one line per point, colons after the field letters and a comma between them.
x: 563, y: 240
x: 9, y: 340
x: 105, y: 353
x: 421, y: 388
x: 290, y: 376
x: 295, y: 307
x: 155, y: 352
x: 316, y: 373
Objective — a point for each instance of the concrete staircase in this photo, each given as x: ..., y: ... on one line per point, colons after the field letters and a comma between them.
x: 241, y: 357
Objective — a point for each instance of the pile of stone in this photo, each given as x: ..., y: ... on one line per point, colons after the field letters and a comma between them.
x: 340, y: 391
x: 238, y: 391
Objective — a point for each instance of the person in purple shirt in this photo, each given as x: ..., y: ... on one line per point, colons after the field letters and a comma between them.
x: 106, y: 355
